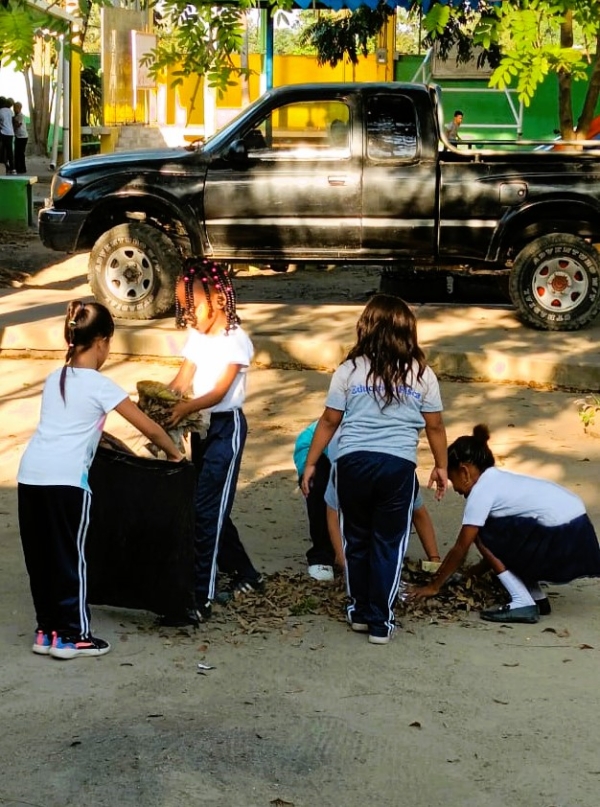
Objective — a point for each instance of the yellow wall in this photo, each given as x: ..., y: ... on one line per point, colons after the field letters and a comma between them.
x: 286, y: 70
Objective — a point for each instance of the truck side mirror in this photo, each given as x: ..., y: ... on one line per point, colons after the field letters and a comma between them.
x: 237, y: 152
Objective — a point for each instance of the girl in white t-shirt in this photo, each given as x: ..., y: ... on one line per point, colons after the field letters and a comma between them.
x: 527, y: 530
x: 386, y: 394
x: 217, y: 356
x: 54, y: 495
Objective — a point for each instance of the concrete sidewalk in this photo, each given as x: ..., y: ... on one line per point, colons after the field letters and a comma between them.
x: 470, y: 342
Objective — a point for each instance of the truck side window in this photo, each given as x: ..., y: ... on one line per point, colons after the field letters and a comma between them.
x: 302, y: 130
x: 391, y: 128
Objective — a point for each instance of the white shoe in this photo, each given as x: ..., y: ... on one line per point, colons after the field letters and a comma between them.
x: 379, y: 639
x: 320, y: 572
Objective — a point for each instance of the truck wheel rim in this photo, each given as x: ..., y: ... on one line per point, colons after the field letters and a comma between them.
x: 129, y: 274
x: 560, y: 284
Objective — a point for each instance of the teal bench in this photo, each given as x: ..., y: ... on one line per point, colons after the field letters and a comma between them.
x: 16, y: 201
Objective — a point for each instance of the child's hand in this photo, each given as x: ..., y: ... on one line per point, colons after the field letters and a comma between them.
x: 179, y: 411
x: 439, y: 478
x: 307, y: 478
x: 422, y: 592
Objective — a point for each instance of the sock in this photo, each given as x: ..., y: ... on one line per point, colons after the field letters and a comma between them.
x: 519, y: 595
x: 536, y: 591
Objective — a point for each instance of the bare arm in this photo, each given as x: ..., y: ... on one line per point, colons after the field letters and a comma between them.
x: 436, y: 437
x: 155, y: 433
x: 467, y: 535
x: 326, y: 428
x: 221, y: 388
x: 335, y: 535
x: 183, y: 380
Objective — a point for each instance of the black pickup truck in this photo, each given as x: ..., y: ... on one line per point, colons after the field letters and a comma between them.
x: 336, y: 173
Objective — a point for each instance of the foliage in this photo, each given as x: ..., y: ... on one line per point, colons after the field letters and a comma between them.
x: 587, y: 409
x: 289, y: 33
x: 20, y: 24
x: 200, y: 39
x: 91, y: 97
x: 346, y: 34
x: 408, y: 31
x: 525, y: 42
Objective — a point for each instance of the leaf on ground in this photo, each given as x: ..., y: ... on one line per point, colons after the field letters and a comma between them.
x: 288, y: 596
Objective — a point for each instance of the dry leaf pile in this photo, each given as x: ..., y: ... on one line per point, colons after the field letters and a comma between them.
x: 292, y: 594
x: 157, y: 401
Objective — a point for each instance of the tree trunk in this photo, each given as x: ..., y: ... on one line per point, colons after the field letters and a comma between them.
x: 40, y: 82
x: 565, y: 83
x: 588, y: 110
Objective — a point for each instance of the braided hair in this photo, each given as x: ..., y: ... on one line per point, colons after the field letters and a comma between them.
x: 472, y: 449
x: 210, y: 275
x: 84, y: 323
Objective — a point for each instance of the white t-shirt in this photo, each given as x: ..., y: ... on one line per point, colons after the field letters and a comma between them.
x: 19, y: 125
x: 64, y: 444
x: 212, y: 355
x: 368, y: 425
x: 497, y: 494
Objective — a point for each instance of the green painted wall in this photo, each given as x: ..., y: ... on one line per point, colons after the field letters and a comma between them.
x: 540, y: 119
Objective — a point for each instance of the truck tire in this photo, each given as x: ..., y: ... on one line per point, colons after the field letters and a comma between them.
x: 132, y: 271
x: 555, y: 283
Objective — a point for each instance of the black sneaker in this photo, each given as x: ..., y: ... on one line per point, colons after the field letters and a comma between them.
x: 182, y: 619
x: 248, y: 585
x: 204, y: 612
x: 69, y: 647
x: 241, y: 586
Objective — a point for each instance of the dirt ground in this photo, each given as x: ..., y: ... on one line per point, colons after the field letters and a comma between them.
x: 297, y: 710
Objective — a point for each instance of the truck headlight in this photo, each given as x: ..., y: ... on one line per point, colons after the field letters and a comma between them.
x: 60, y: 187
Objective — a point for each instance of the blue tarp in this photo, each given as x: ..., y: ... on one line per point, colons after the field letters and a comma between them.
x: 336, y: 5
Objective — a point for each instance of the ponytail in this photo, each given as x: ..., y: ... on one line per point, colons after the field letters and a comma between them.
x: 472, y: 449
x: 84, y: 322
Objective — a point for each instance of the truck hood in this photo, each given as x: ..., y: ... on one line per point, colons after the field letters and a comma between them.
x: 152, y: 159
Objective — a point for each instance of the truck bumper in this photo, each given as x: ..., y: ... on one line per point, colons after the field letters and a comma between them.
x: 59, y: 229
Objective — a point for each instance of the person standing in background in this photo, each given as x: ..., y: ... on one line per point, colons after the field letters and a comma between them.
x: 21, y: 137
x: 7, y: 134
x: 452, y: 128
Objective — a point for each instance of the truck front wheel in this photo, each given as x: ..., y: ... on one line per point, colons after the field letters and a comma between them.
x: 132, y: 271
x: 555, y: 283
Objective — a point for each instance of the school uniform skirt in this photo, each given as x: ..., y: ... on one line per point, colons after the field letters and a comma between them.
x: 534, y: 552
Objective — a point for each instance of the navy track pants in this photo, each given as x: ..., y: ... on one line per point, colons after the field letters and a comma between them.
x: 53, y: 522
x: 376, y: 493
x: 217, y: 542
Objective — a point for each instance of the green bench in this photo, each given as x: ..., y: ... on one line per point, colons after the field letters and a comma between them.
x: 16, y: 201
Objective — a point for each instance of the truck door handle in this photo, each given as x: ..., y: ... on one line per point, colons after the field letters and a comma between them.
x: 337, y: 180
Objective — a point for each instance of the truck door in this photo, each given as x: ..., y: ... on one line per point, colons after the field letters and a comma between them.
x: 399, y: 181
x: 296, y: 193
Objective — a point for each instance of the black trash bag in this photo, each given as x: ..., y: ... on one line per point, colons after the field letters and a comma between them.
x: 140, y: 542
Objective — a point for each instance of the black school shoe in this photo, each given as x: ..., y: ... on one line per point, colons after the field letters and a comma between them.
x: 528, y: 614
x: 241, y: 585
x: 544, y: 606
x: 192, y: 617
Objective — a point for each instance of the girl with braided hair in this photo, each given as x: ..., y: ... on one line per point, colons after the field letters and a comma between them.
x: 527, y: 529
x: 54, y: 495
x: 217, y: 355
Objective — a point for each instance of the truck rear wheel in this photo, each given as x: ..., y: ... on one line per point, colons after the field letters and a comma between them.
x: 555, y: 283
x: 132, y: 271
